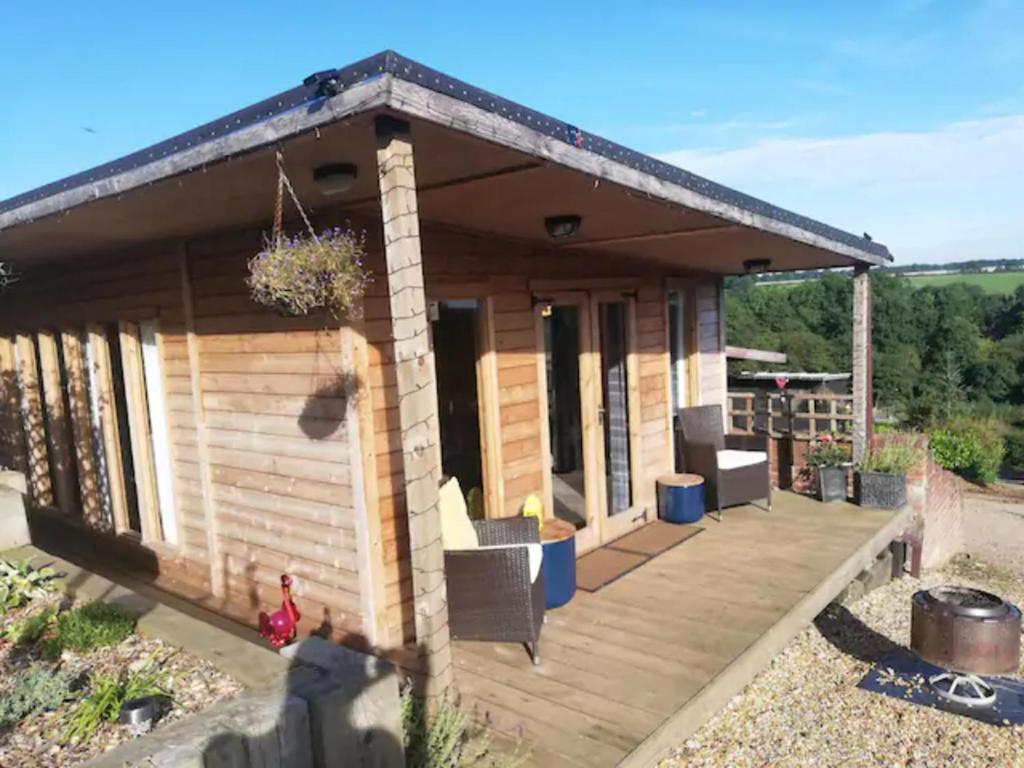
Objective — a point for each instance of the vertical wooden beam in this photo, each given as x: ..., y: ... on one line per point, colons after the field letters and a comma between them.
x: 217, y: 578
x: 862, y: 364
x: 417, y: 399
x: 488, y: 398
x: 13, y: 450
x: 39, y: 479
x: 81, y: 429
x: 365, y: 494
x: 138, y: 428
x: 109, y: 429
x: 58, y: 430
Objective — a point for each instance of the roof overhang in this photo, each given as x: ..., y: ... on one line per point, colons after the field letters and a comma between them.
x: 479, y: 148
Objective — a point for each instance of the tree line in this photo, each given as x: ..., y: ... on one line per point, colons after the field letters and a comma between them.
x: 940, y: 352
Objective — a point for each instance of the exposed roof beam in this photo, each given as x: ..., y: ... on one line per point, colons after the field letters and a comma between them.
x: 679, y: 233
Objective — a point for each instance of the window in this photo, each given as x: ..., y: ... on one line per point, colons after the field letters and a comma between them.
x: 677, y: 348
x: 93, y: 407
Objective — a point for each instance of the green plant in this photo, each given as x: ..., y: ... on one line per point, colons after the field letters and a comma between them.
x: 297, y: 275
x: 826, y: 451
x: 897, y: 454
x: 107, y: 695
x: 445, y: 739
x: 30, y: 629
x: 973, y: 449
x: 1013, y: 441
x: 93, y: 625
x: 34, y: 690
x: 22, y: 582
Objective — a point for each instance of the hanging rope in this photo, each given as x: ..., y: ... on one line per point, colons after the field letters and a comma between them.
x: 283, y: 184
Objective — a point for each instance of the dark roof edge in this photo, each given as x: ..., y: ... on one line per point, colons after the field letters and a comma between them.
x: 325, y: 84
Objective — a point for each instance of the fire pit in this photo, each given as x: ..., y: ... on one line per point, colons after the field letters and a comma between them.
x: 969, y: 633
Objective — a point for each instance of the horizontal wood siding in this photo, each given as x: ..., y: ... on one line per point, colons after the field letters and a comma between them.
x: 274, y: 409
x: 274, y: 402
x: 710, y: 348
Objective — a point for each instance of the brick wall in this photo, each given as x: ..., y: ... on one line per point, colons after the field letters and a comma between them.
x: 934, y: 495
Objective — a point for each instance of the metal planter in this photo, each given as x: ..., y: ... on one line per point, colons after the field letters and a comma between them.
x: 831, y: 483
x: 880, y: 489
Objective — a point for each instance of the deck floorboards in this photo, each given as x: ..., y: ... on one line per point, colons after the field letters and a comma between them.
x: 632, y: 670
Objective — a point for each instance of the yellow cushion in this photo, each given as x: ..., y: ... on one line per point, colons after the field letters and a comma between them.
x: 457, y: 531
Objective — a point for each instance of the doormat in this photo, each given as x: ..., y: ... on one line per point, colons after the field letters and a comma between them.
x: 902, y: 675
x: 654, y: 538
x: 609, y: 563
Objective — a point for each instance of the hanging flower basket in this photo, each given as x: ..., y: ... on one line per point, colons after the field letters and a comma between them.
x: 298, y: 275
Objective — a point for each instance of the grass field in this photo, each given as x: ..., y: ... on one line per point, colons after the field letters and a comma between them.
x: 992, y: 282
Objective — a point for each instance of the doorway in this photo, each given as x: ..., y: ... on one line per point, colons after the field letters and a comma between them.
x: 455, y: 336
x: 588, y: 364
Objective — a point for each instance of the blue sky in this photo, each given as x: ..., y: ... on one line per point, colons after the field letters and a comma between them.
x: 904, y: 119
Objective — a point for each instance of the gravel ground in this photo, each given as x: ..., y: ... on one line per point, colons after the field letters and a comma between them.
x: 805, y: 708
x: 36, y: 740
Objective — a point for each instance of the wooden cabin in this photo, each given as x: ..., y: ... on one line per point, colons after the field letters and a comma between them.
x: 176, y: 431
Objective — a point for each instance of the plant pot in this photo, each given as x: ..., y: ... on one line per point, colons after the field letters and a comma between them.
x: 831, y: 483
x: 880, y: 489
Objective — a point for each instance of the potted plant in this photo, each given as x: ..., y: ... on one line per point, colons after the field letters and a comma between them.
x: 829, y: 460
x: 881, y: 479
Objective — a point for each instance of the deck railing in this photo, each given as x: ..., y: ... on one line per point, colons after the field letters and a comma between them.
x: 798, y: 415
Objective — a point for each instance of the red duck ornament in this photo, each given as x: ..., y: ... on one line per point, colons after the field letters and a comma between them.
x: 281, y: 626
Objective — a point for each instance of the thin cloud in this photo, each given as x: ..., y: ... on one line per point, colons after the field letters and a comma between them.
x: 927, y: 194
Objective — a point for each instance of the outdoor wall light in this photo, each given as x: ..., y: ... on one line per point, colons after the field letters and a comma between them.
x: 334, y: 178
x: 756, y: 266
x: 560, y: 227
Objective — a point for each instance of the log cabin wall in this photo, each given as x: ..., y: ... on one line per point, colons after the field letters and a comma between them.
x: 503, y: 275
x: 260, y: 459
x: 262, y: 464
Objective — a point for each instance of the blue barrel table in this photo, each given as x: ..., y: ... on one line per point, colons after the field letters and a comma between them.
x: 559, y: 540
x: 681, y: 498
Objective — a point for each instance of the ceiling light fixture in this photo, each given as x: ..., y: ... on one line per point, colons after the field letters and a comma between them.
x: 756, y: 266
x: 334, y: 178
x: 560, y: 227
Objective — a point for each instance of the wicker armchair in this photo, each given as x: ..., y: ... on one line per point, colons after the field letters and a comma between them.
x: 490, y: 596
x: 735, y: 468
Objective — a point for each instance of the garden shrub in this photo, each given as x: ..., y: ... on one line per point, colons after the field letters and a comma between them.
x: 897, y: 454
x: 972, y: 449
x: 22, y: 582
x: 34, y: 690
x: 91, y: 626
x: 30, y: 629
x: 1013, y: 442
x: 445, y: 739
x: 107, y: 695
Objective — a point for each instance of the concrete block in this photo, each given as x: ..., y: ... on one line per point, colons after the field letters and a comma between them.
x: 354, y: 707
x: 14, y: 480
x: 878, y: 574
x: 14, y: 531
x: 853, y: 592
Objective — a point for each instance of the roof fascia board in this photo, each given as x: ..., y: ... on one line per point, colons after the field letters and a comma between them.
x: 428, y: 104
x: 360, y: 97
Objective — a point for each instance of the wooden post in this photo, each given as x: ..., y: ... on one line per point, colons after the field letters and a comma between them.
x: 217, y: 577
x: 862, y: 367
x: 58, y: 429
x: 40, y: 482
x: 12, y: 437
x: 417, y: 399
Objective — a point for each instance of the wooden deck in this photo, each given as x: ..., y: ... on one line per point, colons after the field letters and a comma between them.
x: 629, y: 672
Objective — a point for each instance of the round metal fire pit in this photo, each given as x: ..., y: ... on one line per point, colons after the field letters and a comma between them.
x: 966, y: 630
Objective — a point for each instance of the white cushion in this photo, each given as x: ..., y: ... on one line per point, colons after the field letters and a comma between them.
x: 534, y: 552
x: 729, y: 459
x: 457, y: 531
